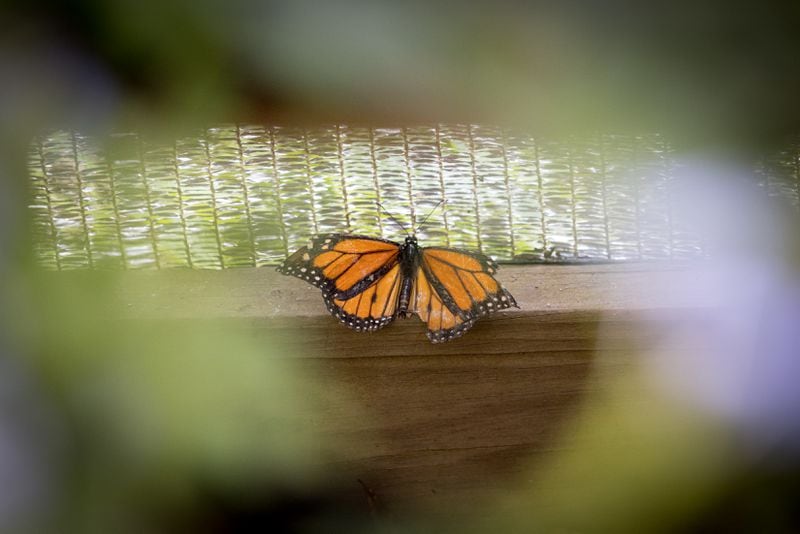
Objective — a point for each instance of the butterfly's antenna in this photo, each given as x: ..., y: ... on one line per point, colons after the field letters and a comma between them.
x: 424, y: 220
x: 398, y: 223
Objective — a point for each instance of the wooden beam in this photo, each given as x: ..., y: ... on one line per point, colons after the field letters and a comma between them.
x: 445, y: 426
x: 538, y: 289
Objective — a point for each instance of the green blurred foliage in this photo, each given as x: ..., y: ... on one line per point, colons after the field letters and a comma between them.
x: 157, y: 412
x: 639, y: 462
x: 709, y: 75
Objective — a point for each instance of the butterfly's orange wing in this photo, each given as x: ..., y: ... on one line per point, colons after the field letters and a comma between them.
x: 453, y: 288
x: 359, y: 277
x: 443, y: 324
x: 373, y: 308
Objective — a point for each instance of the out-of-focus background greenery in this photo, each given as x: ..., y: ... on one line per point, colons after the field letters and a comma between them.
x: 108, y: 424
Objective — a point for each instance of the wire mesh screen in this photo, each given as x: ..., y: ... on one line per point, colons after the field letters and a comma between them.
x: 247, y: 195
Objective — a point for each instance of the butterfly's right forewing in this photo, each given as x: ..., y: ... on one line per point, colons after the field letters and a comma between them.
x: 454, y: 288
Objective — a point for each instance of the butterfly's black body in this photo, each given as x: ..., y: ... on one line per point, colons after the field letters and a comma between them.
x: 409, y: 263
x: 411, y: 283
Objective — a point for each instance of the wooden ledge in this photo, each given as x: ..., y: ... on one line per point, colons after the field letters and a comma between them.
x: 560, y: 306
x: 264, y: 293
x: 443, y: 424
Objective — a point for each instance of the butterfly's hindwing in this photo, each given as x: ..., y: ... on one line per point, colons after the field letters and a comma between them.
x: 443, y: 324
x: 371, y: 309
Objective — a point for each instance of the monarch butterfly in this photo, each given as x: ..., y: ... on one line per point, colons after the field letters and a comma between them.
x: 367, y: 282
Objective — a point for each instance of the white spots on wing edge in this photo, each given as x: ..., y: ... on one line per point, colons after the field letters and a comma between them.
x: 440, y: 336
x: 356, y: 323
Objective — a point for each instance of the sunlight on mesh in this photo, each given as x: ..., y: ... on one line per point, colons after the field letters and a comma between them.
x: 246, y: 195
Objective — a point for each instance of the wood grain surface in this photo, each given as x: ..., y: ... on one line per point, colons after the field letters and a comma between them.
x: 264, y: 293
x: 444, y: 427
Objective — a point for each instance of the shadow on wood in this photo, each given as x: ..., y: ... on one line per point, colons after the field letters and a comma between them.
x: 445, y: 426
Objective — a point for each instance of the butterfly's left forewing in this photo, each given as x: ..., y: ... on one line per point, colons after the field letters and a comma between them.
x: 359, y: 277
x: 342, y: 265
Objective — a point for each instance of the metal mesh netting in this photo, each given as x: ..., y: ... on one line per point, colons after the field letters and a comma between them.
x: 247, y: 195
